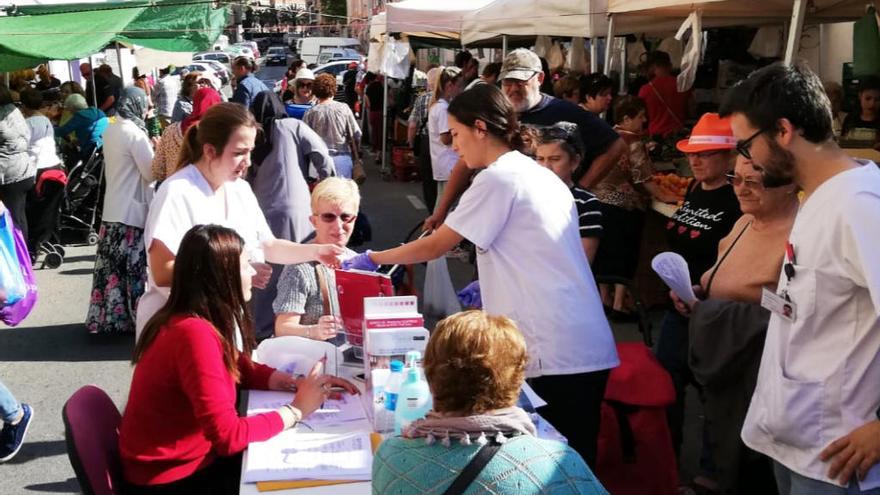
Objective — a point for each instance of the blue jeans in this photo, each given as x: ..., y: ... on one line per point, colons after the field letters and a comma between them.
x: 791, y: 483
x: 10, y: 409
x: 344, y: 165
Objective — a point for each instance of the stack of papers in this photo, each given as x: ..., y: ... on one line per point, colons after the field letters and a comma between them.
x: 331, y: 444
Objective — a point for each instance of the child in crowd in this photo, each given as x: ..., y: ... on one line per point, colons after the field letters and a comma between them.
x: 864, y: 124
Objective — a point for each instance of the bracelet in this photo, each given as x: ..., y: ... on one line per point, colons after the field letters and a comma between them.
x: 297, y: 415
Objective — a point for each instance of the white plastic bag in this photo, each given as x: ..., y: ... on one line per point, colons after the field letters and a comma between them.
x: 297, y: 355
x: 440, y: 299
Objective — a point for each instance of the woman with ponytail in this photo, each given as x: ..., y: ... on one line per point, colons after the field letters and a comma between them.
x: 208, y: 188
x: 522, y: 219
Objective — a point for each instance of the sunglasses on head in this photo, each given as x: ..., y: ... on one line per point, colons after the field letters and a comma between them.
x: 331, y: 217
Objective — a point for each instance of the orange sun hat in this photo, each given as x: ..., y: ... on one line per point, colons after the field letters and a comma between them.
x: 711, y: 133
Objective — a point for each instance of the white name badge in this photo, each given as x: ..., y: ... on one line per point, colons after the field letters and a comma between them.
x: 786, y: 309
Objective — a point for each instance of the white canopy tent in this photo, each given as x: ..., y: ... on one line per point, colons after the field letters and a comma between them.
x: 430, y: 18
x: 746, y: 12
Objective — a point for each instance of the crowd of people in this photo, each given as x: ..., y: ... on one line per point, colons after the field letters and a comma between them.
x: 212, y: 241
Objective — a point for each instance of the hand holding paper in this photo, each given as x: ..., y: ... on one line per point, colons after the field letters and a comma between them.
x: 673, y: 269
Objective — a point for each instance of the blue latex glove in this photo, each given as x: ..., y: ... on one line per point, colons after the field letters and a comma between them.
x: 470, y: 296
x: 360, y: 261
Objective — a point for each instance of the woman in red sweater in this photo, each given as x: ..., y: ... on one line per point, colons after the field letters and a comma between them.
x: 180, y: 432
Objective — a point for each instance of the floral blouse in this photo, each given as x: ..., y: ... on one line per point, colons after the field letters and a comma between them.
x: 634, y: 167
x: 167, y: 152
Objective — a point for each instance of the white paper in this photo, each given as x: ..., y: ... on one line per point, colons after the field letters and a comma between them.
x: 293, y: 455
x: 344, y: 409
x: 673, y: 269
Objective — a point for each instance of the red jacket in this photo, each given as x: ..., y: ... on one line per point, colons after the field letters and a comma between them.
x: 181, y: 407
x: 666, y: 112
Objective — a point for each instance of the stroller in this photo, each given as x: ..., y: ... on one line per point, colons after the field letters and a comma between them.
x: 64, y: 207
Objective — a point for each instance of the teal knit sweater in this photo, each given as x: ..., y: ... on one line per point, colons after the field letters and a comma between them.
x: 524, y: 465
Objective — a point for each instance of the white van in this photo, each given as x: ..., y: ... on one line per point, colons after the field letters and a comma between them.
x: 309, y: 48
x: 331, y: 54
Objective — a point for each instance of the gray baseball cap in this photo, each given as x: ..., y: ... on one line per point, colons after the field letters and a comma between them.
x: 521, y: 64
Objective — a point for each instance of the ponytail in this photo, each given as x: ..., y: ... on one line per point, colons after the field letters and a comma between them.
x: 190, y: 151
x: 215, y: 127
x: 446, y: 76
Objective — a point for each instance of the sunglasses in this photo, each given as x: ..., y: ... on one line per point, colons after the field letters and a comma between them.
x: 331, y: 217
x: 738, y: 180
x: 744, y: 147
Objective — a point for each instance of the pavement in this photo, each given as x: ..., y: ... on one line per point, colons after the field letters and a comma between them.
x: 50, y: 355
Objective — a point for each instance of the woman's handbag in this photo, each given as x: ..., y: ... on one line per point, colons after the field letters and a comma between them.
x: 14, y: 313
x: 358, y: 173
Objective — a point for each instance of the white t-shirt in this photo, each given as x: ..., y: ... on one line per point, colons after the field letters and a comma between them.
x: 819, y: 375
x: 128, y: 158
x: 532, y: 265
x: 185, y: 200
x: 443, y: 157
x: 42, y: 145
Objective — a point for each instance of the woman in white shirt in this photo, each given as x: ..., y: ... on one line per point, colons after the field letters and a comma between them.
x: 211, y: 190
x: 443, y: 156
x: 120, y: 264
x: 532, y: 266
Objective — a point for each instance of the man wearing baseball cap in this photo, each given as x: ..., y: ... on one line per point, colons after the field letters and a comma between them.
x: 521, y: 77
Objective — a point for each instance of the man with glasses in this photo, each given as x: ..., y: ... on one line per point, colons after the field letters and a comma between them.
x: 815, y: 408
x: 521, y: 77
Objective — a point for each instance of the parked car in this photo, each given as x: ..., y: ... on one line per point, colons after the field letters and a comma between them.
x: 219, y: 68
x: 337, y: 68
x: 310, y: 48
x: 276, y: 55
x: 241, y: 51
x: 218, y: 56
x: 331, y: 54
x: 252, y: 45
x: 204, y: 68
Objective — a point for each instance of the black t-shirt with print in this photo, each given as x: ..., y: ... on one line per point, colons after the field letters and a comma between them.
x: 698, y: 226
x: 596, y: 134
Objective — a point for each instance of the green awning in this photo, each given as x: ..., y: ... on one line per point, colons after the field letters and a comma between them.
x: 43, y: 33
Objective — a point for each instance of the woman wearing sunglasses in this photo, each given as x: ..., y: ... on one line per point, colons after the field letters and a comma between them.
x: 728, y: 327
x: 707, y: 215
x: 299, y: 303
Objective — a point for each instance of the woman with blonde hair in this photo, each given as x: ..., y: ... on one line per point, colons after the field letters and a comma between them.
x: 300, y: 300
x: 443, y: 156
x: 475, y: 364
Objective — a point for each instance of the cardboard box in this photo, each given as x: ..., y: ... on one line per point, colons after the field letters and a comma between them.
x: 392, y: 327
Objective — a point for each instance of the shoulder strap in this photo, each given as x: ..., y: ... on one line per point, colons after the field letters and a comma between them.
x: 724, y: 257
x: 473, y: 469
x: 324, y: 288
x: 659, y: 97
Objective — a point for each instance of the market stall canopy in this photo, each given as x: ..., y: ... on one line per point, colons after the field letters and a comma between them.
x: 430, y: 18
x: 70, y: 31
x: 565, y: 18
x: 822, y: 10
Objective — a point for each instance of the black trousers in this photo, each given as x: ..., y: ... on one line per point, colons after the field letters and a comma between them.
x: 426, y: 174
x: 573, y: 407
x: 221, y: 477
x: 14, y: 196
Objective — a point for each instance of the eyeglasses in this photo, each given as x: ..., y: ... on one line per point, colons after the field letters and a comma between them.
x: 331, y: 217
x: 740, y: 181
x: 744, y: 147
x: 705, y: 154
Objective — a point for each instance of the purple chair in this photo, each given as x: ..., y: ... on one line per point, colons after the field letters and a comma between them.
x: 91, y: 430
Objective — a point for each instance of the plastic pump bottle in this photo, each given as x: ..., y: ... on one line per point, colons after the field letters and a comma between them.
x: 392, y: 386
x: 414, y: 400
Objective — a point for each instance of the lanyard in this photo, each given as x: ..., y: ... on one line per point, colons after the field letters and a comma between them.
x: 788, y: 268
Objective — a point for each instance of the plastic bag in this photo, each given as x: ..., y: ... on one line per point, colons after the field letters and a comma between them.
x: 12, y: 286
x: 15, y: 313
x: 297, y: 355
x: 440, y: 299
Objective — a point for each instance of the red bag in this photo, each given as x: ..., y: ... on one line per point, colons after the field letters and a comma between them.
x: 352, y: 287
x: 635, y: 454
